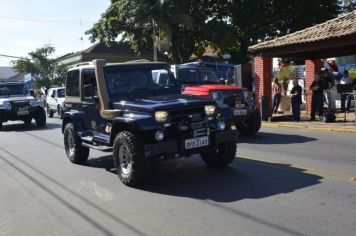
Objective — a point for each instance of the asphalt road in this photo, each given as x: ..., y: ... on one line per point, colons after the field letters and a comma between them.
x: 283, y: 182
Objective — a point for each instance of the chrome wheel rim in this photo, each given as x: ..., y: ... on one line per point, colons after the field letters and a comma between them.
x: 125, y: 159
x: 71, y: 144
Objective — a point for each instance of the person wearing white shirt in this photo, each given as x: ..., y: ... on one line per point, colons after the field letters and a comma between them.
x: 346, y: 98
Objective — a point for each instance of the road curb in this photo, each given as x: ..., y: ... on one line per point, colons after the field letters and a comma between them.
x: 307, y: 127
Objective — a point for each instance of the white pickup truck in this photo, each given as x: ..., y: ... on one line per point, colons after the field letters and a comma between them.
x: 55, y: 100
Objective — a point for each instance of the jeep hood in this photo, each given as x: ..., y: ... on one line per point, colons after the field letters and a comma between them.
x: 15, y: 98
x: 166, y: 102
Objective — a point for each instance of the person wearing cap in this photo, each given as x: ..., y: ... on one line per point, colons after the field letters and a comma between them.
x: 346, y: 98
x: 317, y: 89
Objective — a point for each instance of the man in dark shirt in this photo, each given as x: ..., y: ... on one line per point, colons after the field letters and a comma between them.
x: 296, y: 100
x: 317, y: 97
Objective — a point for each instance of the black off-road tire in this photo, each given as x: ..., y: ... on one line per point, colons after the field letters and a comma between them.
x: 250, y: 126
x: 139, y: 166
x: 223, y: 156
x: 40, y: 117
x: 76, y: 153
x: 49, y: 112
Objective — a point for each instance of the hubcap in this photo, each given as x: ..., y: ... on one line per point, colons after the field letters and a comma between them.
x: 125, y: 161
x: 71, y: 143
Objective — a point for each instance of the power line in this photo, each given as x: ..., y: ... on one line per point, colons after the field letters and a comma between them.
x: 45, y: 20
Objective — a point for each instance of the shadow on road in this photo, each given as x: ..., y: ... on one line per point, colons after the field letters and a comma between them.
x: 21, y: 127
x: 272, y: 138
x: 245, y: 179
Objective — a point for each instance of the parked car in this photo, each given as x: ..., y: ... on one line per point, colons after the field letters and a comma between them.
x: 120, y: 108
x: 55, y: 101
x: 16, y: 103
x: 204, y: 82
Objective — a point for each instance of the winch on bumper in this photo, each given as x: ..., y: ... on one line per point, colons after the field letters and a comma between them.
x: 197, y: 138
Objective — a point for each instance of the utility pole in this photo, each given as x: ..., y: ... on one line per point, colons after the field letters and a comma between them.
x: 154, y: 40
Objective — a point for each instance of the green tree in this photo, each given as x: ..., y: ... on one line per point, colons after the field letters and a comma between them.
x: 181, y: 23
x: 348, y: 5
x: 43, y: 67
x: 190, y: 25
x: 244, y: 23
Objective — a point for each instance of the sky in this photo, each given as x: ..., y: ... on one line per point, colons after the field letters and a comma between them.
x: 27, y: 25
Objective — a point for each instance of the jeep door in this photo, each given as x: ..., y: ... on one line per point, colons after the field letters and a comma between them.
x: 90, y: 104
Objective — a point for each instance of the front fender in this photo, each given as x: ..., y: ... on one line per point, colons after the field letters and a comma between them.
x: 72, y: 117
x: 132, y: 122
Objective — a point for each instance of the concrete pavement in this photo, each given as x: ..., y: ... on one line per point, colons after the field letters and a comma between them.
x: 283, y: 182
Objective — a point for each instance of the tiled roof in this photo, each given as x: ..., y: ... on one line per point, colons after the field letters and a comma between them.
x: 340, y: 27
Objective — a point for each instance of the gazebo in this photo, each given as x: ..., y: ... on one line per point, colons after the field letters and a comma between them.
x: 336, y: 37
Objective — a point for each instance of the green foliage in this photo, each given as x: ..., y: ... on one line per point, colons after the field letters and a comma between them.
x: 43, y: 67
x: 179, y: 22
x: 348, y: 5
x: 286, y: 73
x: 190, y: 25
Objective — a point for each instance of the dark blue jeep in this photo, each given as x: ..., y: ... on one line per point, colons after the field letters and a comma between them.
x: 124, y: 108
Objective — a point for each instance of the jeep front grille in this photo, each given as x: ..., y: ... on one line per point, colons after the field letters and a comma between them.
x: 178, y: 115
x: 17, y: 105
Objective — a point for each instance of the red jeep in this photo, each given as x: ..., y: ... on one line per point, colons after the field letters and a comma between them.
x: 204, y: 82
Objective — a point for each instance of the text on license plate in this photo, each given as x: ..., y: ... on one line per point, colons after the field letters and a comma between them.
x: 23, y: 112
x: 196, y: 142
x: 240, y: 112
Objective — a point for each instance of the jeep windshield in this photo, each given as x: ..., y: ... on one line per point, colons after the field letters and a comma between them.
x: 7, y: 90
x: 197, y: 76
x: 139, y: 82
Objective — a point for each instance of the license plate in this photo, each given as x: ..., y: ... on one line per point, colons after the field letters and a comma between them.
x: 23, y: 112
x: 196, y: 142
x: 241, y: 112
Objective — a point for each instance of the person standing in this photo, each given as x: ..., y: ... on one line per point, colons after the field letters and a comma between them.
x: 317, y: 89
x: 346, y: 98
x: 296, y: 100
x: 276, y: 91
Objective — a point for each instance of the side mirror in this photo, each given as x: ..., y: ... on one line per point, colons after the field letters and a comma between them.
x: 52, y: 95
x: 222, y: 81
x: 89, y: 91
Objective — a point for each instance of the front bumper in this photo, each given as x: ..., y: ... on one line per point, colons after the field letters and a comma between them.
x: 18, y: 114
x: 173, y: 147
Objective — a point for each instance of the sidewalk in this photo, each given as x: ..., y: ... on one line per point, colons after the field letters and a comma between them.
x: 338, y: 126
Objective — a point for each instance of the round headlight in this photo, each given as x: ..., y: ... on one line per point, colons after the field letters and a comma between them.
x: 210, y: 110
x: 161, y: 116
x: 159, y: 135
x: 221, y: 125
